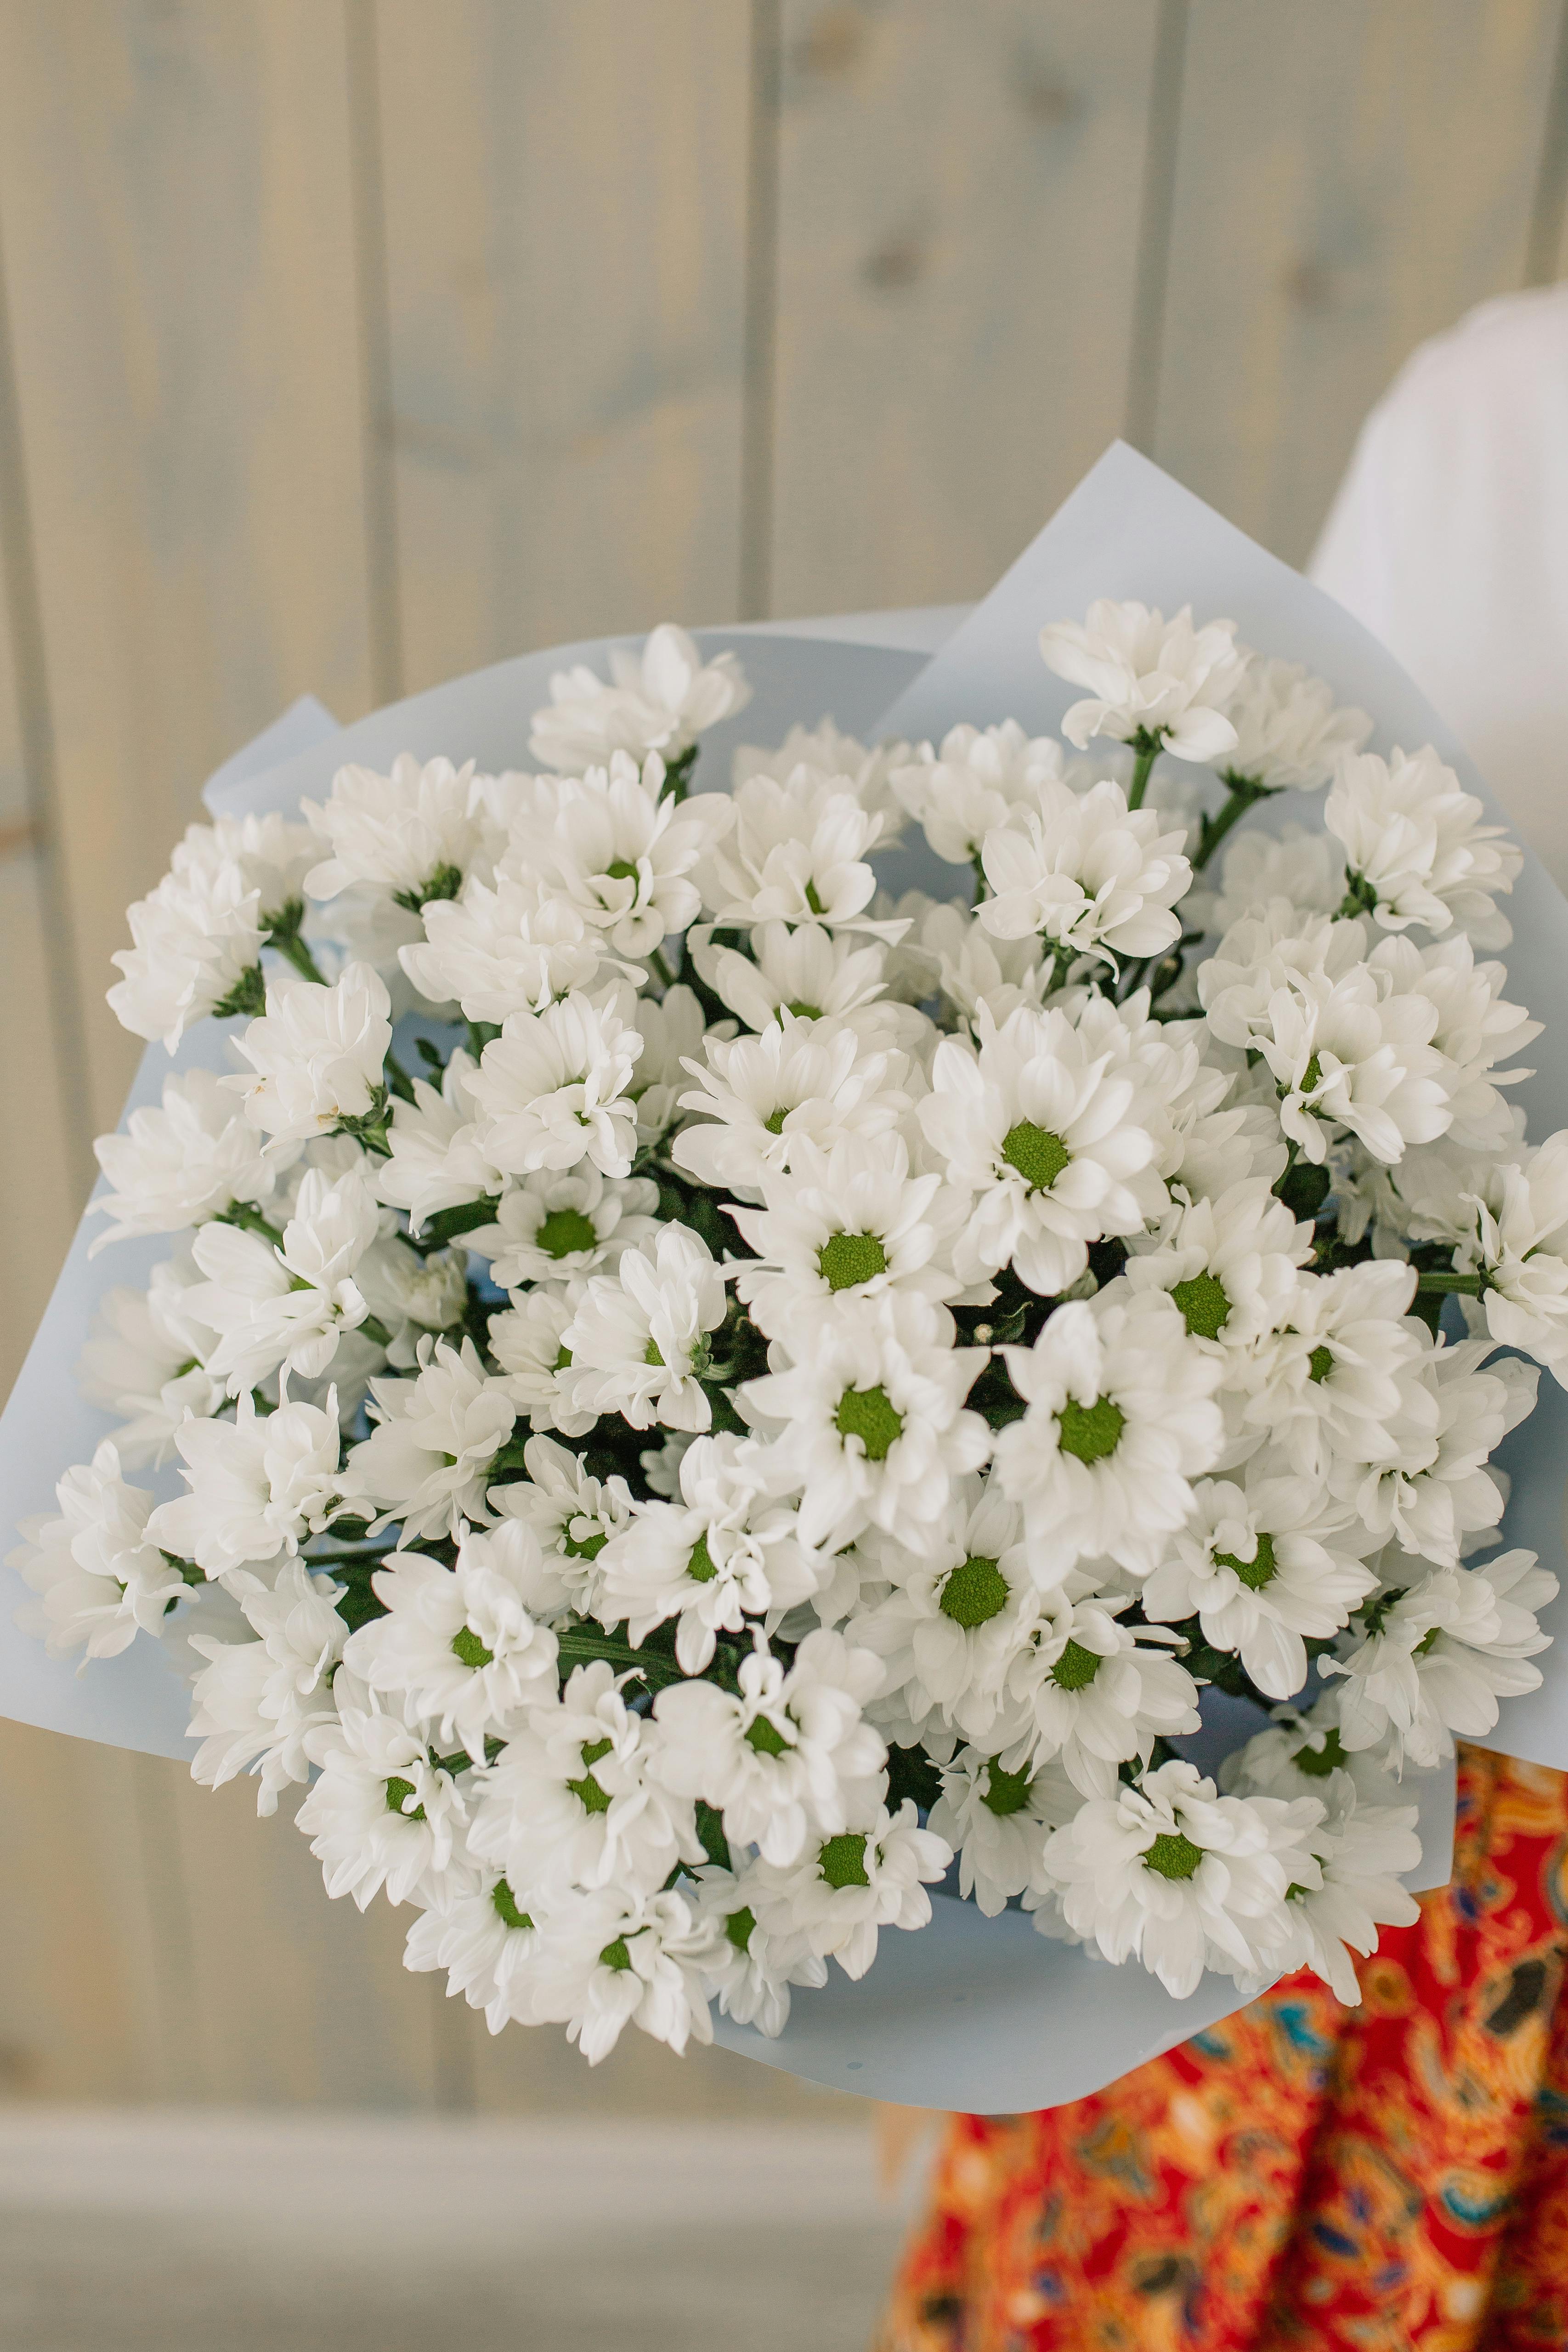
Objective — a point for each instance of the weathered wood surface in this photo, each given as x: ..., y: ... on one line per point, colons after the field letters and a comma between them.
x: 353, y: 343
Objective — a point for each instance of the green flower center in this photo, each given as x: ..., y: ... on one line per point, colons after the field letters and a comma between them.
x: 1255, y: 1574
x: 590, y: 1796
x: 399, y: 1791
x: 764, y: 1737
x: 1039, y: 1156
x: 1172, y: 1857
x: 1076, y: 1668
x: 562, y: 1359
x: 841, y: 1859
x: 849, y: 1258
x: 1312, y: 1076
x: 700, y: 1565
x: 469, y: 1649
x: 802, y: 1010
x: 1320, y: 1363
x: 621, y: 869
x: 565, y: 1232
x: 739, y: 1927
x: 1317, y: 1763
x: 1090, y: 1432
x: 650, y: 1354
x: 813, y: 901
x: 1204, y: 1306
x: 976, y: 1590
x: 584, y: 1546
x: 1006, y: 1792
x: 866, y: 1414
x: 616, y: 1954
x: 505, y: 1903
x: 774, y: 1123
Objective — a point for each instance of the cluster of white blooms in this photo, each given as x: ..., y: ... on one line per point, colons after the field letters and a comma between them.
x: 704, y: 1401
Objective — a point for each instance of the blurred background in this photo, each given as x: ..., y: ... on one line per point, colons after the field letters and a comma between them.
x: 345, y: 345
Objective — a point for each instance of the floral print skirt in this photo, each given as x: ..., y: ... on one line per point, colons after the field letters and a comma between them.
x: 1302, y: 2175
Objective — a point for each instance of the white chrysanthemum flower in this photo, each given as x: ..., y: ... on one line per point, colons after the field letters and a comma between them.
x: 847, y: 1224
x: 1519, y: 1246
x: 1086, y: 873
x: 317, y: 1054
x: 182, y: 1160
x: 382, y: 1814
x: 197, y: 942
x: 870, y: 1427
x: 638, y: 1339
x: 1427, y: 1487
x: 1172, y: 1875
x: 812, y: 974
x: 834, y: 1900
x: 643, y: 1959
x: 459, y: 1647
x: 1304, y: 869
x: 749, y: 1978
x: 427, y: 1460
x: 257, y: 1705
x: 558, y: 1226
x: 1440, y: 1655
x: 409, y: 1294
x: 797, y: 1082
x: 1230, y: 1266
x: 1048, y: 1138
x: 725, y: 1551
x: 1146, y: 676
x: 1301, y: 1754
x: 998, y: 1822
x: 1356, y: 1053
x: 1087, y: 1688
x: 1264, y: 1567
x: 1415, y: 848
x: 500, y: 948
x: 572, y: 1798
x: 795, y: 854
x: 1290, y: 732
x: 554, y: 1088
x: 660, y: 700
x: 574, y: 1517
x: 1476, y: 1028
x: 527, y: 1340
x: 972, y: 969
x: 260, y: 1485
x: 282, y: 1305
x: 982, y: 777
x: 1330, y: 1383
x: 1272, y: 947
x: 621, y: 857
x: 1121, y: 1419
x: 789, y: 1758
x: 413, y: 834
x: 672, y: 1028
x: 1361, y: 1855
x: 496, y: 1956
x: 434, y: 1162
x: 146, y: 1362
x: 824, y: 748
x: 270, y: 853
x: 99, y: 1575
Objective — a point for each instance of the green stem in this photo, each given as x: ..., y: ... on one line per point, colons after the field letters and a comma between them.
x: 1467, y: 1285
x: 249, y: 1219
x: 1243, y: 794
x: 656, y: 959
x: 399, y: 1082
x: 290, y: 944
x: 678, y: 773
x: 376, y: 1330
x: 1147, y: 748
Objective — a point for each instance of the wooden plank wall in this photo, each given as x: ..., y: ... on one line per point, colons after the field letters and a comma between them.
x: 348, y: 344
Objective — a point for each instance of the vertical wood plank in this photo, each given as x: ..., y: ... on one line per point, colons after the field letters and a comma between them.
x: 176, y: 217
x: 565, y: 222
x: 1349, y: 180
x: 960, y: 201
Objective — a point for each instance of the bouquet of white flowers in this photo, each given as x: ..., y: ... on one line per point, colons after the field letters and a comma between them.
x: 710, y: 1397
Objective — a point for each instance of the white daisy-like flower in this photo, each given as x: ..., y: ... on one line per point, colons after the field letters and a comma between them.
x: 1275, y: 946
x: 1147, y: 676
x: 1047, y: 1135
x: 382, y: 1814
x: 1264, y: 1567
x: 502, y: 947
x: 725, y: 1551
x: 972, y: 969
x: 998, y: 1822
x: 803, y: 970
x: 980, y: 778
x: 787, y: 1758
x: 1230, y: 1266
x: 672, y: 1028
x: 181, y: 1160
x: 1427, y: 1488
x: 495, y: 1955
x: 823, y: 747
x: 413, y: 834
x: 749, y: 1978
x: 260, y: 1485
x: 638, y: 1339
x: 1121, y: 1420
x: 458, y: 1647
x: 1173, y: 1874
x: 1361, y: 1854
x: 1356, y: 1053
x: 317, y: 1055
x: 1086, y: 873
x: 409, y: 1294
x: 847, y: 1224
x: 1476, y: 1029
x: 99, y: 1575
x: 574, y: 1517
x: 1519, y: 1246
x: 659, y: 700
x: 1416, y: 849
x: 1440, y: 1655
x: 1306, y: 870
x: 1090, y: 1690
x: 426, y: 1461
x: 270, y: 853
x: 870, y: 1426
x: 527, y: 1340
x: 645, y: 1960
x: 798, y: 1082
x: 558, y: 1226
x: 573, y: 1799
x: 281, y: 1304
x: 145, y: 1363
x: 834, y: 1900
x: 621, y: 857
x: 434, y: 1162
x: 554, y: 1088
x: 1329, y: 1383
x: 255, y: 1705
x: 1290, y: 732
x: 795, y: 854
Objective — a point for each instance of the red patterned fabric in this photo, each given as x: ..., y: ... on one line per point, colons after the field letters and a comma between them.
x: 1303, y: 2175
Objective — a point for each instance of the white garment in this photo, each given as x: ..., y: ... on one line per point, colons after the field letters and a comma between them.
x: 1449, y: 539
